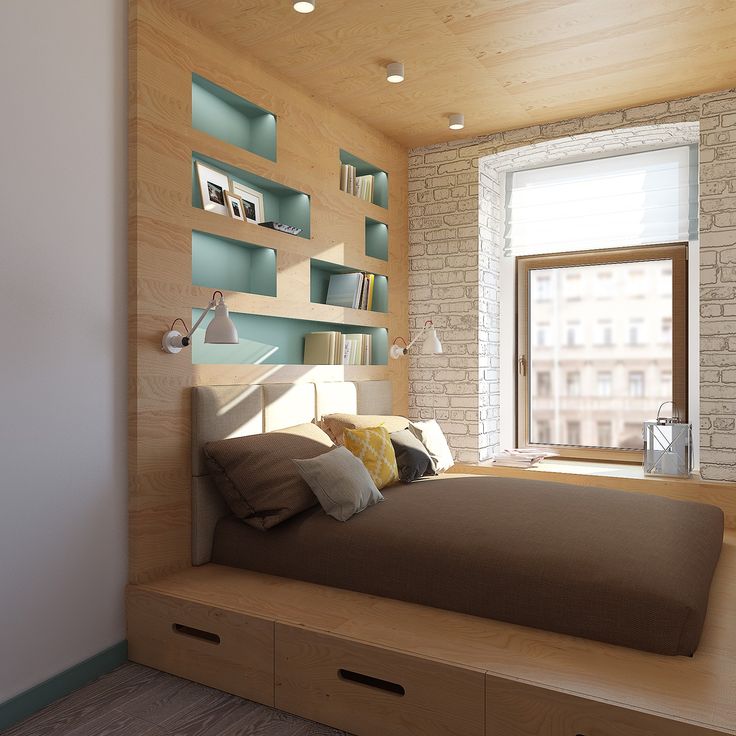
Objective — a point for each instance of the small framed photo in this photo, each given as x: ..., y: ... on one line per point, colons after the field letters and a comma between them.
x: 213, y: 185
x: 234, y: 206
x: 252, y: 202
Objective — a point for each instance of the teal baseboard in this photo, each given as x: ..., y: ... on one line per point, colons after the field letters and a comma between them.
x: 38, y: 697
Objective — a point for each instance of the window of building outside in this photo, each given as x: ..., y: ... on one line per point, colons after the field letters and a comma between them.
x: 609, y: 387
x: 636, y: 384
x: 605, y: 436
x: 604, y: 384
x: 573, y: 433
x: 544, y: 385
x: 604, y: 332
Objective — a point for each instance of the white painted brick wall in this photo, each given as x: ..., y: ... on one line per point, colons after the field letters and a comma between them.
x: 456, y: 213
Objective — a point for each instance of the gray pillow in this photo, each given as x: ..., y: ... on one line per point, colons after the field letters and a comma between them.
x: 341, y: 483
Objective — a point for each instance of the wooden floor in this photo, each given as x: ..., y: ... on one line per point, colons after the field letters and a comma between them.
x: 138, y: 701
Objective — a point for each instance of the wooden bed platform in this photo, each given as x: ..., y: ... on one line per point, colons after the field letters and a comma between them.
x: 378, y: 666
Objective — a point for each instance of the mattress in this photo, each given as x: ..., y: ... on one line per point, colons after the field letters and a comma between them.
x: 624, y: 568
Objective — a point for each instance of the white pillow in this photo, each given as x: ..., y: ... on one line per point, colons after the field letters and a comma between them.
x: 432, y: 437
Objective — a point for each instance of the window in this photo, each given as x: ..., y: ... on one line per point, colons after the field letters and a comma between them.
x: 603, y: 380
x: 543, y: 434
x: 544, y: 288
x: 637, y: 283
x: 573, y: 334
x: 572, y: 383
x: 604, y: 285
x: 604, y: 333
x: 605, y: 435
x: 665, y: 386
x: 544, y: 384
x: 573, y: 433
x: 542, y: 335
x: 636, y: 331
x: 636, y: 384
x: 666, y: 330
x: 604, y: 384
x: 573, y: 286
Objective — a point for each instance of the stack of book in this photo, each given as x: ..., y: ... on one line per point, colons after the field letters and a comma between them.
x: 334, y: 348
x: 353, y: 290
x: 516, y: 458
x: 359, y: 186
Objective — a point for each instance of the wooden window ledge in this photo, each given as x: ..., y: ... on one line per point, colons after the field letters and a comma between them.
x: 617, y: 476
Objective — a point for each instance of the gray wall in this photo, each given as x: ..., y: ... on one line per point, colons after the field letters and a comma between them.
x: 63, y: 303
x: 452, y: 281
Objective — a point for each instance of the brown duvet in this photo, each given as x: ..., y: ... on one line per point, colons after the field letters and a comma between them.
x: 624, y: 568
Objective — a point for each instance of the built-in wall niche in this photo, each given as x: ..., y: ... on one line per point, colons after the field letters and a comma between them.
x: 280, y: 203
x: 363, y: 168
x: 376, y: 239
x: 275, y: 340
x: 232, y: 265
x: 319, y: 283
x: 233, y: 119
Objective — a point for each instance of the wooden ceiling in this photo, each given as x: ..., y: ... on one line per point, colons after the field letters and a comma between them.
x: 503, y: 63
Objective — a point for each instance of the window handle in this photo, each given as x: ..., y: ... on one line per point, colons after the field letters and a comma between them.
x: 522, y: 365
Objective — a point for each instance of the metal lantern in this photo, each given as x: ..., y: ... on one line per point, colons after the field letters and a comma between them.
x: 668, y: 446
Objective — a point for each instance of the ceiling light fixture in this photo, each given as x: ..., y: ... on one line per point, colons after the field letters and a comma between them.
x: 305, y: 6
x: 457, y: 121
x: 395, y: 72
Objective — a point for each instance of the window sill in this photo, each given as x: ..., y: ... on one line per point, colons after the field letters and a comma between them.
x: 618, y: 477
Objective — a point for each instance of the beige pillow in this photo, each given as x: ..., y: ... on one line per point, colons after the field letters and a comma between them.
x: 257, y: 477
x: 341, y: 483
x: 336, y: 424
x: 431, y: 436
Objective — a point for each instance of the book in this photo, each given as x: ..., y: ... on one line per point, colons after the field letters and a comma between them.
x: 364, y: 292
x: 520, y: 458
x: 319, y: 348
x: 371, y: 284
x: 364, y: 187
x: 339, y: 349
x: 344, y: 289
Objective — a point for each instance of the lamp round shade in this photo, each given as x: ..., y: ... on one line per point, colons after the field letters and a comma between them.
x: 221, y: 330
x: 431, y: 344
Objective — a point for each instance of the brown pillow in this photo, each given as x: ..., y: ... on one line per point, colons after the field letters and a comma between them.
x: 257, y: 477
x: 335, y: 424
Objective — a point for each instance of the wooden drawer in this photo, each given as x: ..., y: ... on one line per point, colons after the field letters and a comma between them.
x: 517, y: 709
x: 223, y: 649
x: 369, y: 691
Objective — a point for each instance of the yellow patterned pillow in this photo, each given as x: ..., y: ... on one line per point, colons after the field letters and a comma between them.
x: 374, y: 449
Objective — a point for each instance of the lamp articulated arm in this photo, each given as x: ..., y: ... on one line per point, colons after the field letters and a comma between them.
x: 173, y: 341
x: 398, y: 351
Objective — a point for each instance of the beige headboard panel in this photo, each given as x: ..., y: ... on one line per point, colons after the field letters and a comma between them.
x: 221, y: 412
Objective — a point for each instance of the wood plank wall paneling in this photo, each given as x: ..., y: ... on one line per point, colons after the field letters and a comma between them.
x: 165, y: 47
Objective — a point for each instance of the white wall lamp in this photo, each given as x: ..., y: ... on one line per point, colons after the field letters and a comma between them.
x: 431, y: 344
x: 457, y: 121
x: 395, y: 72
x: 220, y: 331
x: 305, y: 6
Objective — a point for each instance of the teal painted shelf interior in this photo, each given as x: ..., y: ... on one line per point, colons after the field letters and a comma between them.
x: 232, y: 265
x: 270, y: 340
x: 376, y: 239
x: 280, y: 203
x: 224, y: 115
x: 319, y: 281
x: 380, y: 178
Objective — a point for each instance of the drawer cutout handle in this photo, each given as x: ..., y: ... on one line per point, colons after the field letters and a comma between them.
x: 389, y: 687
x: 196, y: 633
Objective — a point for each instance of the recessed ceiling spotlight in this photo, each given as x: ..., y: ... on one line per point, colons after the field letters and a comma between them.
x: 395, y: 72
x: 305, y: 6
x: 457, y: 121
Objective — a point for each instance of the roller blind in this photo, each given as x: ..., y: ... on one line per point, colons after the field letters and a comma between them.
x: 632, y: 199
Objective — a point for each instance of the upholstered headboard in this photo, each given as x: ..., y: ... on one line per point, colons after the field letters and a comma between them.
x: 220, y: 412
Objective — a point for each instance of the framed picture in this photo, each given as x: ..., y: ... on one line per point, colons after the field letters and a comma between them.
x: 252, y: 202
x: 213, y: 185
x: 234, y: 206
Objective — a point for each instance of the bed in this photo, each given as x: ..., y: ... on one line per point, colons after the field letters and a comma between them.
x: 633, y: 570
